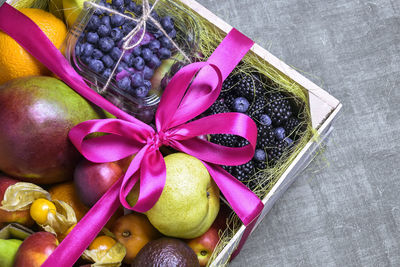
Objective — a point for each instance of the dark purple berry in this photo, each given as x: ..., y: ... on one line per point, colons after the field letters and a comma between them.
x: 280, y: 133
x: 92, y: 37
x: 138, y: 63
x: 241, y: 104
x: 260, y: 155
x: 172, y: 34
x: 147, y: 84
x: 117, y: 3
x: 164, y: 53
x: 124, y: 83
x: 96, y: 65
x: 86, y: 50
x: 117, y: 20
x: 106, y: 44
x: 105, y: 20
x: 141, y: 91
x: 154, y: 62
x: 108, y: 61
x: 148, y: 73
x: 167, y: 23
x: 97, y: 54
x: 288, y: 141
x: 154, y: 45
x: 116, y: 34
x: 137, y: 80
x: 122, y: 66
x: 93, y: 23
x: 165, y: 42
x: 146, y: 54
x: 104, y: 30
x: 115, y: 53
x: 278, y: 108
x: 136, y: 51
x: 107, y: 73
x: 86, y: 60
x: 265, y: 120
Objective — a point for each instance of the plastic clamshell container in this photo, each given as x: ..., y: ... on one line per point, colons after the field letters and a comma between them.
x: 183, y: 53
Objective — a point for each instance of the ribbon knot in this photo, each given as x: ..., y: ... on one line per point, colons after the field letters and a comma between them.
x: 158, y: 139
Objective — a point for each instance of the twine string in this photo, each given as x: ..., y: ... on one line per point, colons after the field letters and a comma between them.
x: 141, y: 26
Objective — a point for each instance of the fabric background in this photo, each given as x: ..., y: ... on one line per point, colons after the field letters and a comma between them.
x: 344, y: 209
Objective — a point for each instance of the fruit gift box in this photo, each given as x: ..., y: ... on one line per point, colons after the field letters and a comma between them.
x: 150, y: 126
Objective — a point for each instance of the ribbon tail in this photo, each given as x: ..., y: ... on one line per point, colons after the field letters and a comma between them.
x: 243, y: 202
x: 71, y: 248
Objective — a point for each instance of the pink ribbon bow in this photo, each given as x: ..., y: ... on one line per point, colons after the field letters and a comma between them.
x: 190, y: 92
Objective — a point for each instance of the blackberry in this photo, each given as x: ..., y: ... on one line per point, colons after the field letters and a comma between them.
x: 278, y: 108
x: 228, y: 85
x: 290, y: 126
x: 257, y: 108
x: 244, y: 172
x: 242, y: 142
x: 228, y: 100
x: 265, y: 136
x: 261, y: 165
x: 229, y: 169
x: 275, y: 153
x: 224, y: 139
x: 245, y: 87
x: 218, y: 107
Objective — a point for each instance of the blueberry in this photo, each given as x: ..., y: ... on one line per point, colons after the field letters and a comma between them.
x: 124, y: 83
x: 165, y: 42
x: 86, y: 49
x: 108, y: 61
x: 137, y: 80
x: 146, y: 54
x: 122, y: 66
x: 131, y: 6
x: 106, y: 44
x: 259, y: 155
x: 154, y: 45
x: 93, y: 23
x: 97, y: 54
x: 86, y: 60
x: 241, y: 104
x: 99, y: 11
x: 141, y: 91
x: 105, y: 20
x: 172, y: 34
x: 157, y: 33
x: 115, y: 53
x: 116, y: 34
x: 138, y: 63
x: 78, y: 49
x: 107, y: 73
x: 104, y: 30
x: 127, y: 28
x: 92, y: 37
x: 265, y: 120
x: 154, y: 62
x: 127, y: 2
x: 96, y: 65
x: 117, y: 3
x: 164, y: 53
x: 127, y: 58
x: 280, y: 133
x: 117, y: 20
x: 148, y: 73
x: 288, y: 141
x: 167, y: 23
x: 136, y: 51
x: 147, y: 84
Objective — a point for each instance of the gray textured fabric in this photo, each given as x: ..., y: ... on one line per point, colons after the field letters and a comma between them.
x: 344, y: 209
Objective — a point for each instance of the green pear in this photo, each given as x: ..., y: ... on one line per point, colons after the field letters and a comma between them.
x: 189, y: 202
x: 72, y: 9
x: 8, y: 250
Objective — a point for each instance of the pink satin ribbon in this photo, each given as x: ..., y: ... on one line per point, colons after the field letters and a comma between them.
x: 190, y: 92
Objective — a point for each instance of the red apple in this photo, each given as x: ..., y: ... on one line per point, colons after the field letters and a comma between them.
x: 204, y: 245
x: 35, y: 249
x: 92, y: 180
x: 22, y: 216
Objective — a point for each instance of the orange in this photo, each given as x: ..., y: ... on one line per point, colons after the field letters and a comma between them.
x: 40, y: 209
x: 102, y: 243
x: 134, y: 231
x: 15, y: 61
x: 66, y: 192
